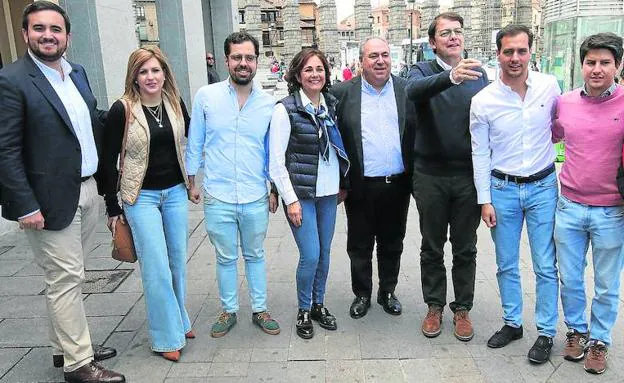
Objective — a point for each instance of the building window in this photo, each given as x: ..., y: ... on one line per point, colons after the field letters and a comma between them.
x: 377, y: 19
x: 241, y: 17
x: 266, y: 38
x: 139, y: 12
x: 263, y: 17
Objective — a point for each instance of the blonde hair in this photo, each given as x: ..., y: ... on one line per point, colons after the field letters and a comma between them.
x: 137, y: 59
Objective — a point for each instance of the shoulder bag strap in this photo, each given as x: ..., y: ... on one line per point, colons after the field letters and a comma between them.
x: 122, y: 153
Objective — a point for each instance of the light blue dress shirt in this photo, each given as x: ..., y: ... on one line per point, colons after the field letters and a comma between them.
x: 381, y: 139
x: 231, y: 142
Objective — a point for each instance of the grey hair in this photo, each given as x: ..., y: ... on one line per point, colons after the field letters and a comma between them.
x: 369, y: 38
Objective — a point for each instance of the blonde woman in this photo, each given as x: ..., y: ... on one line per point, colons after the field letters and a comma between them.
x: 153, y: 191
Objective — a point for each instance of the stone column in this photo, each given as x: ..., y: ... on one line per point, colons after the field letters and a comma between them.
x: 524, y: 10
x: 464, y: 9
x: 329, y: 31
x: 292, y: 30
x: 363, y: 27
x: 181, y: 31
x: 253, y: 23
x: 428, y: 11
x: 220, y: 19
x: 103, y: 37
x: 396, y: 30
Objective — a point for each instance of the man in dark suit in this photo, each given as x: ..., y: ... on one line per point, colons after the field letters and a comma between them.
x: 375, y: 122
x: 49, y: 134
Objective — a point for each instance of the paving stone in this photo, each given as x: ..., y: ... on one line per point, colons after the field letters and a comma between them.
x: 9, y: 357
x: 14, y: 286
x: 142, y: 370
x: 231, y: 355
x: 382, y: 370
x: 9, y: 267
x: 306, y: 371
x: 25, y: 332
x: 29, y: 306
x: 110, y: 303
x: 343, y: 346
x: 342, y: 371
x: 229, y: 369
x: 35, y: 366
x: 421, y: 370
x: 273, y: 372
x: 269, y: 354
x: 189, y: 370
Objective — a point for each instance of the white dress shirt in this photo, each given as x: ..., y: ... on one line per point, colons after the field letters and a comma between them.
x: 328, y: 176
x: 509, y: 134
x: 77, y: 110
x: 446, y: 66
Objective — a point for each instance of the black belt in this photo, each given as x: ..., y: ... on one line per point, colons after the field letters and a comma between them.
x: 83, y: 179
x: 386, y: 179
x: 523, y: 180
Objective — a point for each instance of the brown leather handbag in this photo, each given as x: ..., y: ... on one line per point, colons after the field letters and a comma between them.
x: 123, y: 244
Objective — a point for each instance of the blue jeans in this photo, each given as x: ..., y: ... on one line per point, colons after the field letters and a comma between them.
x: 314, y: 238
x: 535, y: 201
x: 159, y: 223
x: 228, y: 226
x: 576, y: 226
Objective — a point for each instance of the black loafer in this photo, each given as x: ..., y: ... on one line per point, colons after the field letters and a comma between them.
x: 359, y: 307
x: 504, y: 336
x: 99, y: 353
x: 304, y: 326
x: 540, y: 352
x: 320, y: 314
x: 390, y: 303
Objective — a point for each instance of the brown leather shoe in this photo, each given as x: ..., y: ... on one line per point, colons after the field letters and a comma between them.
x: 574, y: 349
x: 596, y: 358
x: 463, y: 325
x: 433, y: 321
x: 93, y: 373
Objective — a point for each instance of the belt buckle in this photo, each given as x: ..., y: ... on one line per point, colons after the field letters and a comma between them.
x: 388, y: 180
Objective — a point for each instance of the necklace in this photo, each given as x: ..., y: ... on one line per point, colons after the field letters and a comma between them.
x: 156, y: 113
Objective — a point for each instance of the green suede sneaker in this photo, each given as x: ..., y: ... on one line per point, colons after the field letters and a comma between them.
x: 266, y: 323
x: 223, y: 324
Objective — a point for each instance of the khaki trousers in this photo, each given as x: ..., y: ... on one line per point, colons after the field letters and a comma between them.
x: 61, y: 256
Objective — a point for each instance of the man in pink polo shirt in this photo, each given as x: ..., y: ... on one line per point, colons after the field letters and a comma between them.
x: 590, y: 209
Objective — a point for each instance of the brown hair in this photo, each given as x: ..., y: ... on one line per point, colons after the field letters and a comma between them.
x: 136, y: 60
x: 296, y: 65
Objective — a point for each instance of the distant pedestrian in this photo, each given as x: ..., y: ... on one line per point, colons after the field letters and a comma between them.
x: 213, y: 76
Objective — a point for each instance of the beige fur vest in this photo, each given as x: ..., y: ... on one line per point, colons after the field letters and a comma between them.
x: 137, y: 151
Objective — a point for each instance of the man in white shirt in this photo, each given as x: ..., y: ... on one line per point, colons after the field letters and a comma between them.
x: 512, y: 154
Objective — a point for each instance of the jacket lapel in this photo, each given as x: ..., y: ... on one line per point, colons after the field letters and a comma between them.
x: 353, y: 105
x: 399, y: 94
x: 42, y: 83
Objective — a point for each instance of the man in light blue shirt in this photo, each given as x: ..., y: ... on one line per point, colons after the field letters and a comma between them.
x: 228, y: 131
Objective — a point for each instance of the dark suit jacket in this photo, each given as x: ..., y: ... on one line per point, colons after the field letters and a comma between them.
x: 348, y: 113
x: 40, y: 155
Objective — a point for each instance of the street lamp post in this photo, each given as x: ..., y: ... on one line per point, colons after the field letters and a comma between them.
x: 411, y: 32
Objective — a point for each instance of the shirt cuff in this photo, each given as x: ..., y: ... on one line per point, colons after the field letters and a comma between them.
x: 29, y: 214
x: 451, y: 77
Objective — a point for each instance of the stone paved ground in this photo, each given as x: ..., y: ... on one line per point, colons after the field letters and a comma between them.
x: 377, y: 348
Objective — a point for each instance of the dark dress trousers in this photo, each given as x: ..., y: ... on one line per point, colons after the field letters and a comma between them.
x: 40, y: 155
x: 376, y: 207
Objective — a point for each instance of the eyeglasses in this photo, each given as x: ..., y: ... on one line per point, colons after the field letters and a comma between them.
x: 448, y: 32
x: 209, y: 58
x: 239, y: 58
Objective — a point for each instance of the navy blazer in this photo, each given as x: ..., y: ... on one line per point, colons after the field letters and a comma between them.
x: 40, y: 155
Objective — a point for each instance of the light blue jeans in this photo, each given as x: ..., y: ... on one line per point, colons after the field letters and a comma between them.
x: 576, y: 226
x: 159, y: 223
x: 314, y: 238
x: 230, y: 226
x: 535, y: 201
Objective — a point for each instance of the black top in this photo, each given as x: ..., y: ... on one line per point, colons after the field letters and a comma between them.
x: 163, y: 169
x: 442, y: 141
